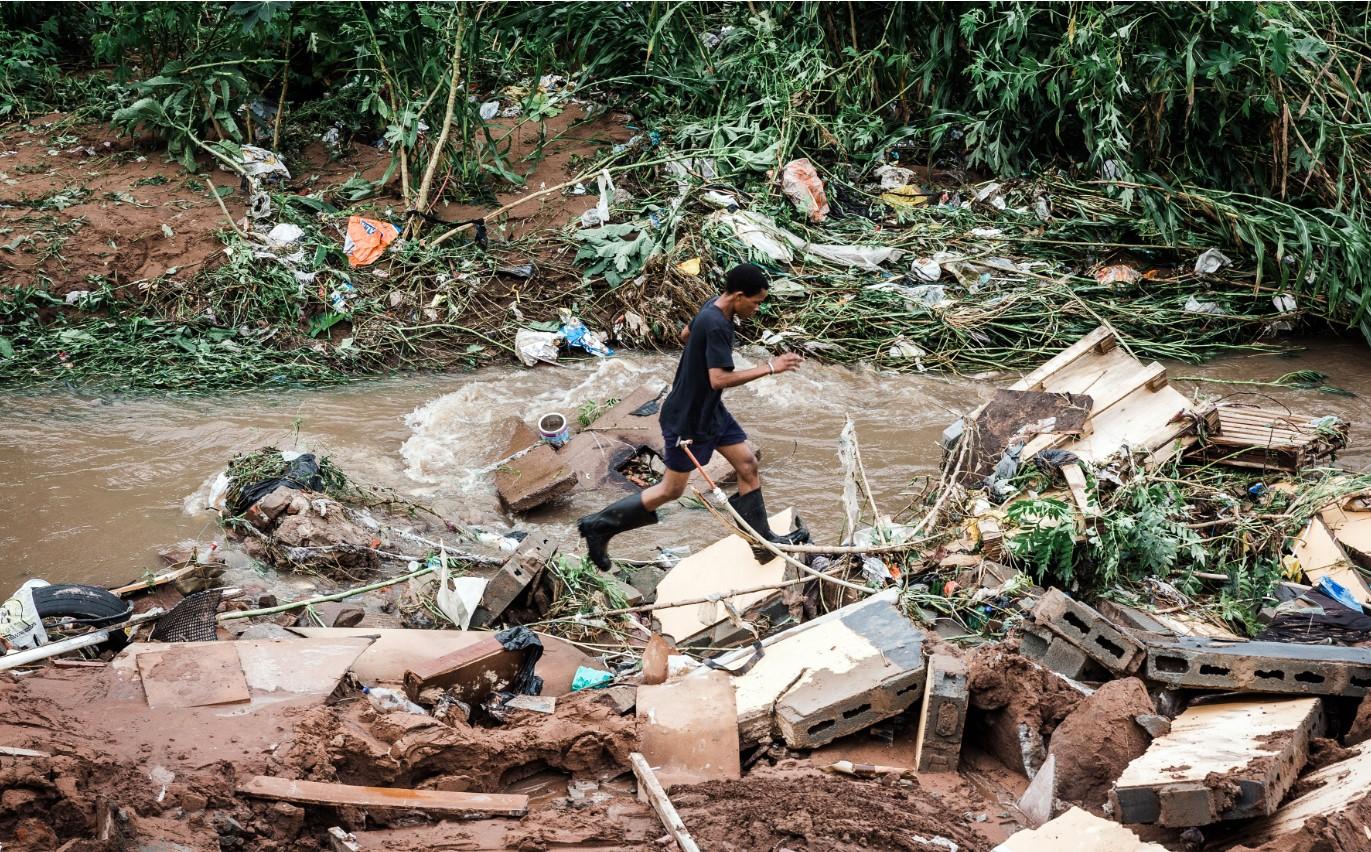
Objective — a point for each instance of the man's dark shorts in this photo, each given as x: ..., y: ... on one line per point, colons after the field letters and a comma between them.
x: 676, y: 458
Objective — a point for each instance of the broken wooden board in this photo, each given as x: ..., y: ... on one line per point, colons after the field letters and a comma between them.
x: 181, y: 676
x: 1335, y: 791
x: 1268, y: 439
x: 275, y: 670
x: 1225, y: 760
x: 688, y: 730
x: 1133, y: 405
x: 724, y: 566
x: 396, y: 649
x: 1320, y: 555
x: 1020, y: 415
x: 536, y: 477
x: 1078, y: 831
x: 347, y: 795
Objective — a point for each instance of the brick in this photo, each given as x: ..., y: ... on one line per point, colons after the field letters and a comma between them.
x: 1085, y: 628
x: 1275, y: 667
x: 520, y: 570
x: 865, y: 666
x: 535, y: 478
x: 1222, y: 760
x: 942, y: 718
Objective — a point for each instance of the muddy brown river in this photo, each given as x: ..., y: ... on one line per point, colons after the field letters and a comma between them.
x: 92, y: 486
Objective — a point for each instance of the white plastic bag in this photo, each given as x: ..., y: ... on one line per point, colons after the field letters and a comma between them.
x: 458, y: 597
x: 534, y: 346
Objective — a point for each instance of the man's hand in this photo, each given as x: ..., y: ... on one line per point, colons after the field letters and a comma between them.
x: 786, y: 362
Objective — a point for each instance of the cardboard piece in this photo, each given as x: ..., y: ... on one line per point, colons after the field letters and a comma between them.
x: 275, y: 670
x: 1079, y: 831
x: 724, y: 566
x: 180, y: 676
x: 688, y: 730
x: 1320, y: 555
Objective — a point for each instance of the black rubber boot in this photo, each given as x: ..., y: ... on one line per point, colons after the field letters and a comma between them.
x: 751, y: 508
x: 619, y: 516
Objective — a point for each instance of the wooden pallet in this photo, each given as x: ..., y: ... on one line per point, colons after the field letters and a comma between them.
x: 1266, y: 439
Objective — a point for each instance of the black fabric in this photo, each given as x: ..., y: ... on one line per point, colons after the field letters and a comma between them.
x: 693, y: 409
x: 523, y: 639
x: 302, y: 473
x: 1334, y: 624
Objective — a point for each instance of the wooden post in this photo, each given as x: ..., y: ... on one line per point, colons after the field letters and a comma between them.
x: 666, y: 812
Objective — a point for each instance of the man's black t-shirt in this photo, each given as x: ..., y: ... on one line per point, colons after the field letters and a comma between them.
x: 694, y: 410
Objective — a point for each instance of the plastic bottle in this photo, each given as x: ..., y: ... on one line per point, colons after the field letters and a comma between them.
x: 390, y: 701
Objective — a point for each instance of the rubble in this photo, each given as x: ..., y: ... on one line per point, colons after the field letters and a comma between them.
x: 1221, y: 761
x: 861, y: 694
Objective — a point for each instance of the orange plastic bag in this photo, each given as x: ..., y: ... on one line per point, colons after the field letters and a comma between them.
x: 800, y: 183
x: 367, y: 239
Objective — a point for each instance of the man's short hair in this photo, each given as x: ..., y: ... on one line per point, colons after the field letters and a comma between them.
x: 746, y: 278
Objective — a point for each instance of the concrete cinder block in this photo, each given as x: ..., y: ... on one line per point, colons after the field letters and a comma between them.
x: 1225, y: 760
x: 868, y: 646
x: 942, y: 718
x: 519, y: 571
x: 1089, y: 631
x: 1278, y: 667
x: 1053, y: 652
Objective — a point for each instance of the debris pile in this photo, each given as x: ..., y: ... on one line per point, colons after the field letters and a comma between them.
x: 1095, y: 631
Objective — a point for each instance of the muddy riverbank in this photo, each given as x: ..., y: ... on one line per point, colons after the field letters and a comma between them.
x: 94, y: 485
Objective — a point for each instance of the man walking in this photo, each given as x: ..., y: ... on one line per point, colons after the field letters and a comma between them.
x: 694, y: 413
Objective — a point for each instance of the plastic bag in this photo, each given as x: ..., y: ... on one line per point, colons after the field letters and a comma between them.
x: 534, y: 346
x: 260, y: 163
x: 800, y: 183
x: 367, y: 240
x: 20, y: 624
x: 576, y: 334
x: 588, y: 678
x: 599, y: 214
x: 459, y: 596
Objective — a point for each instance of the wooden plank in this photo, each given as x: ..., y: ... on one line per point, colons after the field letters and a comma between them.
x: 724, y: 566
x: 13, y: 751
x: 435, y: 801
x: 1079, y: 831
x: 1256, y: 747
x: 153, y: 582
x: 666, y: 812
x: 1100, y: 340
x: 185, y: 676
x: 1075, y: 480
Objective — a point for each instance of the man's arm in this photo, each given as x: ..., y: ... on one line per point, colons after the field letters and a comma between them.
x: 719, y: 379
x: 685, y: 334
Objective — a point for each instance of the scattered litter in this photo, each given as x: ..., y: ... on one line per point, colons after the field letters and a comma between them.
x: 285, y: 234
x: 1211, y: 261
x: 575, y: 333
x: 1195, y: 306
x: 588, y: 678
x: 259, y: 163
x: 801, y: 184
x: 689, y: 267
x: 367, y: 239
x: 926, y: 269
x: 1118, y: 274
x: 489, y: 110
x: 535, y: 346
